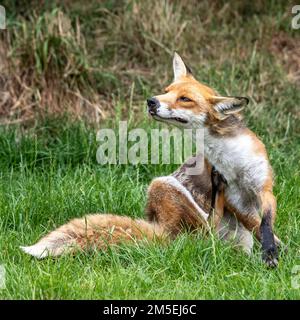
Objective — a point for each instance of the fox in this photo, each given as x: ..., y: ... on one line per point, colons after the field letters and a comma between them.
x: 229, y: 146
x: 176, y: 203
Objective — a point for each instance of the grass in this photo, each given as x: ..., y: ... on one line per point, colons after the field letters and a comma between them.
x: 52, y: 176
x: 98, y: 63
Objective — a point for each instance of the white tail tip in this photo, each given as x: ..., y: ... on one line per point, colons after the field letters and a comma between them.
x: 37, y: 250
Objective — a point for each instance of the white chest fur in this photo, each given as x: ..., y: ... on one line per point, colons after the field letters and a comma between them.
x: 244, y: 170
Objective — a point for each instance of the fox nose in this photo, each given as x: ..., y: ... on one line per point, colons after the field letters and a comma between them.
x: 152, y: 104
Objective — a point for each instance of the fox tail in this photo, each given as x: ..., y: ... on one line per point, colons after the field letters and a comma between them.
x: 94, y: 231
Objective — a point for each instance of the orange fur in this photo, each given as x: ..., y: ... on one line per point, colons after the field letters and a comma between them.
x: 202, y: 99
x: 169, y: 212
x: 191, y: 104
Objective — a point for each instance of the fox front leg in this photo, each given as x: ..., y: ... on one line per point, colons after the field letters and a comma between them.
x: 262, y: 227
x: 267, y: 238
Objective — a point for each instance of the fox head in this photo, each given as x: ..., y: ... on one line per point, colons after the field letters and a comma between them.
x: 191, y: 104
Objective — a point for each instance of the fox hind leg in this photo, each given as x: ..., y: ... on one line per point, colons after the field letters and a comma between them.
x: 171, y: 205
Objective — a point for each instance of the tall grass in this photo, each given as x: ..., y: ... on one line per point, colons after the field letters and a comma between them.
x: 64, y: 56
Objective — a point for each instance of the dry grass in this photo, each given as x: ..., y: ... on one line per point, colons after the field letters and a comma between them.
x: 287, y: 50
x: 45, y: 69
x: 80, y: 60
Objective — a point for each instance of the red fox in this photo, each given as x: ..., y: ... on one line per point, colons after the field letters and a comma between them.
x: 235, y: 151
x: 175, y: 203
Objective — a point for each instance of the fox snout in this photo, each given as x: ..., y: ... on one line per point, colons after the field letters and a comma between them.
x: 153, y: 105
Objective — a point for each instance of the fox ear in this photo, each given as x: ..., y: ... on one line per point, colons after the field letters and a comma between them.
x: 226, y: 106
x: 179, y: 68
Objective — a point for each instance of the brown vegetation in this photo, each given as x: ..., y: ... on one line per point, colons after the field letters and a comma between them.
x: 85, y: 59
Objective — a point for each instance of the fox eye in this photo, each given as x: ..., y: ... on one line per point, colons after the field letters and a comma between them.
x: 184, y: 99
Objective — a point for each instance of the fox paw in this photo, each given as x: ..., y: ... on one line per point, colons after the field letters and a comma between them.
x: 270, y: 257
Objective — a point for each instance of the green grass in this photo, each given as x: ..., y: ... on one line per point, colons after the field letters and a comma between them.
x: 99, y: 62
x: 52, y: 176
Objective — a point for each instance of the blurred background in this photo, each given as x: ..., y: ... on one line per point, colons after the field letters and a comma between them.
x: 89, y: 58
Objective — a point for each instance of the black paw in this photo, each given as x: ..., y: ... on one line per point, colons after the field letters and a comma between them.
x: 270, y: 256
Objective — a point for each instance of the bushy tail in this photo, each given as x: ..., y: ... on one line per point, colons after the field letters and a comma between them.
x: 94, y: 231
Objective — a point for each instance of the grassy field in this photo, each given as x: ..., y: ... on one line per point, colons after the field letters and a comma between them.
x: 113, y: 55
x: 47, y: 180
